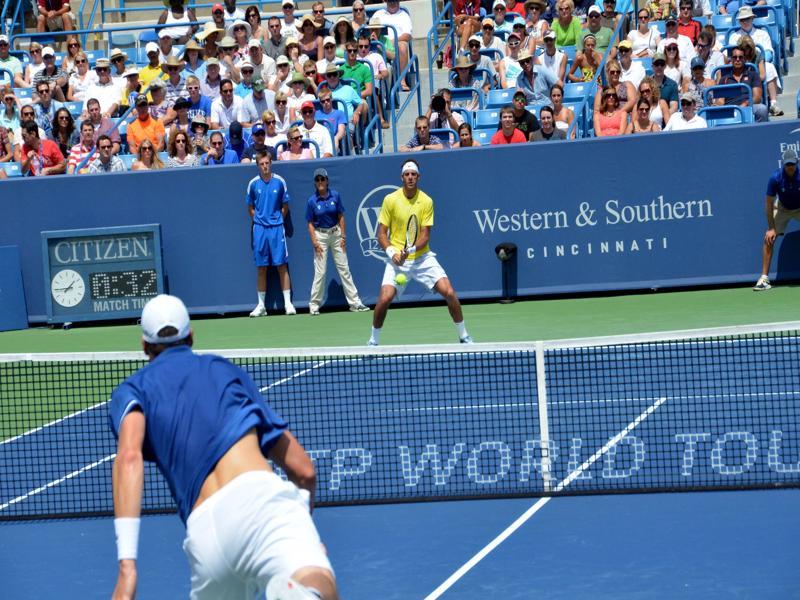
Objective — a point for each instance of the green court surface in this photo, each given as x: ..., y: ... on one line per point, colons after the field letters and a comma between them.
x: 487, y: 322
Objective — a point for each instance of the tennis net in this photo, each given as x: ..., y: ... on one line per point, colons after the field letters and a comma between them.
x: 701, y: 409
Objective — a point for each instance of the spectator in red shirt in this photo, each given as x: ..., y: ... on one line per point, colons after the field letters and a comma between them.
x: 54, y: 15
x: 467, y: 20
x: 508, y: 132
x: 40, y: 157
x: 686, y: 25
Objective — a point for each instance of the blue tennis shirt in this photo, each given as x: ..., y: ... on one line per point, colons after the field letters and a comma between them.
x: 324, y: 212
x: 195, y: 407
x: 787, y: 189
x: 267, y: 198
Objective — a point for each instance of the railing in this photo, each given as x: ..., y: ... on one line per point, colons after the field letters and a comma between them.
x: 445, y: 17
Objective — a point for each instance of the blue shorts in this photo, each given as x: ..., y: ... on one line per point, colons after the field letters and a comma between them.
x: 269, y: 245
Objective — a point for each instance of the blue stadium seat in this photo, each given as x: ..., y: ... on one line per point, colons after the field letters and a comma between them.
x: 647, y: 64
x: 483, y: 136
x: 446, y: 135
x: 465, y: 114
x: 127, y: 160
x: 467, y: 95
x: 578, y: 91
x: 486, y: 119
x: 149, y: 35
x: 723, y: 22
x: 12, y: 169
x: 23, y: 93
x: 499, y: 98
x: 75, y: 108
x: 492, y: 53
x: 720, y: 116
x: 729, y: 90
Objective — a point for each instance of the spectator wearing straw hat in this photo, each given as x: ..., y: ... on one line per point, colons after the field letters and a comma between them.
x: 178, y: 19
x: 534, y: 81
x: 209, y: 85
x: 176, y: 87
x: 353, y: 103
x: 145, y: 127
x: 208, y: 37
x: 379, y: 33
x: 227, y: 108
x: 228, y: 59
x: 152, y: 70
x: 298, y: 94
x: 54, y: 15
x: 199, y: 132
x: 466, y: 78
x: 192, y: 57
x: 104, y: 91
x: 118, y: 58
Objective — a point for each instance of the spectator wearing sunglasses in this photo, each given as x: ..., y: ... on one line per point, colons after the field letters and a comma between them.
x: 46, y: 108
x: 227, y: 108
x: 326, y: 227
x: 217, y: 153
x: 686, y: 117
x: 508, y: 67
x: 646, y: 37
x: 295, y: 150
x: 626, y: 92
x: 357, y: 71
x: 82, y: 79
x: 553, y: 59
x: 106, y: 161
x: 40, y: 157
x: 479, y: 60
x: 712, y: 57
x: 601, y: 34
x: 336, y: 120
x: 258, y: 135
x: 359, y: 15
x: 26, y: 115
x: 11, y: 64
x: 685, y: 46
x: 422, y: 139
x: 52, y: 74
x: 288, y: 23
x: 311, y: 129
x: 275, y: 43
x: 488, y: 39
x: 145, y: 127
x: 743, y: 73
x: 567, y: 26
x: 611, y: 119
x: 632, y: 70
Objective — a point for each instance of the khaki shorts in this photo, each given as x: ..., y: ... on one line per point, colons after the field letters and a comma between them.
x: 783, y: 216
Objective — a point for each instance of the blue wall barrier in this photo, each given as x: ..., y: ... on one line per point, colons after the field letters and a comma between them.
x: 639, y: 212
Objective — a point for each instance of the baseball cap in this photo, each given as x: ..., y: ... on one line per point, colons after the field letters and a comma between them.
x: 659, y: 56
x: 594, y: 10
x: 307, y: 104
x: 254, y: 43
x: 217, y: 7
x: 4, y: 38
x: 151, y: 47
x: 48, y: 51
x: 164, y: 311
x: 212, y: 61
x: 698, y: 63
x: 487, y: 23
x: 498, y: 3
x: 130, y: 71
x: 258, y: 84
x: 672, y: 21
x: 288, y: 3
x: 789, y: 157
x: 320, y: 173
x: 517, y: 94
x: 182, y: 103
x: 164, y: 33
x: 246, y: 64
x: 281, y: 60
x: 235, y: 130
x: 688, y: 97
x: 329, y: 39
x: 623, y: 44
x: 257, y: 129
x: 550, y: 35
x: 141, y: 99
x: 475, y: 38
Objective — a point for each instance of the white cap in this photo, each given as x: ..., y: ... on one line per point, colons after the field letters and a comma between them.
x: 164, y: 311
x: 498, y: 3
x: 151, y: 47
x: 164, y: 33
x: 329, y: 39
x: 410, y: 166
x: 48, y: 51
x: 254, y: 43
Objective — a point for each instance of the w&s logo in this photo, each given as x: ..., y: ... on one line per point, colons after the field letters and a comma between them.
x: 367, y: 221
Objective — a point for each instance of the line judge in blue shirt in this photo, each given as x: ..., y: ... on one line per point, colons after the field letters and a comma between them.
x: 325, y: 216
x: 205, y: 423
x: 268, y: 206
x: 783, y: 185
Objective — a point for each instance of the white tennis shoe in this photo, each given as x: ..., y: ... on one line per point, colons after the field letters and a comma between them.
x: 290, y: 309
x: 259, y: 311
x: 762, y: 284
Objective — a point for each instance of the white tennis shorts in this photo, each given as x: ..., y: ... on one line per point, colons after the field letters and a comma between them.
x: 425, y: 269
x: 255, y: 527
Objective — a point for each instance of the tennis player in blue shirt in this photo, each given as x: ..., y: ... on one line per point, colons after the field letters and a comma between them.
x: 206, y: 425
x: 268, y: 205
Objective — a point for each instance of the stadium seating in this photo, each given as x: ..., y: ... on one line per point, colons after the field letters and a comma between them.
x: 719, y: 116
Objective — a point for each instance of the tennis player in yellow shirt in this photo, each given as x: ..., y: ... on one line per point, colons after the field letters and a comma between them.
x: 417, y: 262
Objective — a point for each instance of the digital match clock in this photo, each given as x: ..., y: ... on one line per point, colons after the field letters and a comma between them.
x: 104, y: 273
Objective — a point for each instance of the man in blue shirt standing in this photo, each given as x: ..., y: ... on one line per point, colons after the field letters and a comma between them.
x: 783, y: 185
x: 205, y: 423
x: 325, y: 217
x: 268, y: 206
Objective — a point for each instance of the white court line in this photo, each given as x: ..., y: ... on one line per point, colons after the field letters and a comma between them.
x: 52, y: 423
x: 56, y: 482
x: 295, y: 376
x: 465, y: 568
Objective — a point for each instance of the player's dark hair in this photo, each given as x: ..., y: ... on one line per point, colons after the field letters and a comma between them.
x: 156, y: 349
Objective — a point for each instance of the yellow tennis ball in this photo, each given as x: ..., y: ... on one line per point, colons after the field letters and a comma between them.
x: 400, y: 279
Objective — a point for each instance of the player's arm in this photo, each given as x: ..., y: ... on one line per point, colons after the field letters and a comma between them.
x: 127, y: 481
x: 770, y: 235
x: 290, y: 456
x: 394, y: 254
x: 424, y: 237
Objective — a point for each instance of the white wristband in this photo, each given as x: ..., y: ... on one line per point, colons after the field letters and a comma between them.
x: 127, y: 531
x: 391, y: 251
x: 411, y: 249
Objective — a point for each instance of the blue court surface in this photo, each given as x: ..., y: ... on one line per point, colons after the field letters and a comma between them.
x: 688, y: 545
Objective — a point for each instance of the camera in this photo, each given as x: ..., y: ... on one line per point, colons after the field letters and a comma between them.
x: 437, y: 103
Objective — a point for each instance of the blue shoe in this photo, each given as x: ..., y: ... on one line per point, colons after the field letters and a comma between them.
x: 467, y: 339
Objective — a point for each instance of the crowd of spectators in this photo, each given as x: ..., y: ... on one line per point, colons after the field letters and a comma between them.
x: 207, y: 93
x: 302, y: 87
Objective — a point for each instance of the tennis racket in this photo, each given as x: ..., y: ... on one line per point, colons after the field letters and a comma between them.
x: 412, y: 230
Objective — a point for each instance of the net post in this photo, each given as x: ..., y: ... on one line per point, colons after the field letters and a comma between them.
x: 544, y: 427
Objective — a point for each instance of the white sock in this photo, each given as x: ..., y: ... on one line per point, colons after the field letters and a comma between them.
x: 462, y: 330
x: 262, y: 297
x: 287, y: 297
x: 376, y: 335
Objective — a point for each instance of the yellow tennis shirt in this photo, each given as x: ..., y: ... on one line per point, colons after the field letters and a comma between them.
x: 397, y: 209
